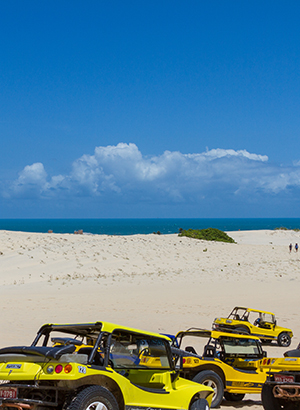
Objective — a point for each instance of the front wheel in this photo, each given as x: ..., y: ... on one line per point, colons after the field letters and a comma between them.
x: 213, y: 380
x: 233, y: 396
x: 93, y: 398
x: 200, y: 404
x: 284, y: 339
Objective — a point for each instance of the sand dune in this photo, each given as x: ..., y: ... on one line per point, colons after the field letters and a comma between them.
x: 161, y: 283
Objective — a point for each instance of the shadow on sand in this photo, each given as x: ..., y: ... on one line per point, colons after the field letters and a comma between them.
x: 244, y: 404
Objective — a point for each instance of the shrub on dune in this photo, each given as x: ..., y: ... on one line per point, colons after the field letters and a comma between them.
x: 210, y: 234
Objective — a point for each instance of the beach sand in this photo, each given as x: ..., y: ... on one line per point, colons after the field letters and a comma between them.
x: 161, y: 283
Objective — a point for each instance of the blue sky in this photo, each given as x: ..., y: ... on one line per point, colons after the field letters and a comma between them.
x: 149, y: 109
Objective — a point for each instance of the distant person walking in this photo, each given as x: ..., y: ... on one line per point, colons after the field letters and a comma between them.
x: 296, y: 247
x: 290, y: 247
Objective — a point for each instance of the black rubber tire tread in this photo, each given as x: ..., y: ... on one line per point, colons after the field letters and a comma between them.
x: 90, y: 394
x: 211, y: 375
x: 269, y: 402
x: 233, y: 396
x: 243, y: 329
x: 279, y: 341
x: 200, y: 404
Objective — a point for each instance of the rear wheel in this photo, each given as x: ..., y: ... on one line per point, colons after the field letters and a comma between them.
x: 243, y: 329
x: 270, y: 402
x: 233, y: 396
x: 93, y: 398
x: 213, y: 380
x: 200, y: 404
x: 284, y: 339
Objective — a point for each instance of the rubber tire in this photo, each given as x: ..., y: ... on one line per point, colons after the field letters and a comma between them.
x: 206, y: 377
x: 233, y: 396
x: 200, y: 404
x: 89, y: 395
x: 284, y: 339
x: 244, y: 330
x: 268, y: 400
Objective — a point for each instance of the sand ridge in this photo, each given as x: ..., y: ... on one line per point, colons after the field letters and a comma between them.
x: 162, y: 283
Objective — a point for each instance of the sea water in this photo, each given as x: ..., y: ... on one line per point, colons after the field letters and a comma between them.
x: 144, y: 226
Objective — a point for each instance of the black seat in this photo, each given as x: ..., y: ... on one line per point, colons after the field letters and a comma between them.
x: 98, y: 360
x: 190, y: 349
x: 209, y: 351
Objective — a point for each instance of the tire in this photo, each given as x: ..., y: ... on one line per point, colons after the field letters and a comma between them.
x: 91, y: 397
x: 244, y: 330
x: 211, y: 379
x: 270, y: 402
x: 233, y: 396
x: 200, y: 404
x: 284, y: 339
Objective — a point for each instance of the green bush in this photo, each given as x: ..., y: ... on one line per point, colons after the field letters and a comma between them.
x: 283, y: 228
x: 210, y: 234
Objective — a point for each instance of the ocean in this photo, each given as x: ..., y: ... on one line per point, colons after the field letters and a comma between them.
x: 144, y: 226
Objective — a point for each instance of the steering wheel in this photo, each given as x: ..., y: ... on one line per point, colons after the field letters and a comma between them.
x: 143, y: 351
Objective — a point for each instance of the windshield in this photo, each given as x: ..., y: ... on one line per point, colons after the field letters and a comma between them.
x: 128, y: 350
x: 266, y: 317
x: 234, y: 347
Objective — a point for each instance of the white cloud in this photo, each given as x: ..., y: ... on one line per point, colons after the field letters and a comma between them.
x: 122, y: 171
x: 31, y: 182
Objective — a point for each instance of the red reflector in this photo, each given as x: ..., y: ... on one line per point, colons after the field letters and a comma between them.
x: 183, y: 361
x: 58, y: 368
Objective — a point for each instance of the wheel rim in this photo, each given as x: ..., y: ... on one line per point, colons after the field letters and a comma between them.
x: 213, y: 385
x: 97, y: 405
x: 284, y: 340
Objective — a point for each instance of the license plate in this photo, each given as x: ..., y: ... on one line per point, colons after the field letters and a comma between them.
x: 8, y: 392
x: 283, y: 379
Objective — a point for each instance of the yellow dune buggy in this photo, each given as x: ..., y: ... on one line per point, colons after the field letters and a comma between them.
x: 257, y: 323
x: 95, y: 366
x: 232, y: 364
x: 281, y: 390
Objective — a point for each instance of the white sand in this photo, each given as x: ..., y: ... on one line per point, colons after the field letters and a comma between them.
x: 154, y: 282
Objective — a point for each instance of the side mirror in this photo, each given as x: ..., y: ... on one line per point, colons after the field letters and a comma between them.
x: 264, y: 353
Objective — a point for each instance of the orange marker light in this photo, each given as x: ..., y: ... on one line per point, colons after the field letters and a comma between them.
x: 68, y: 368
